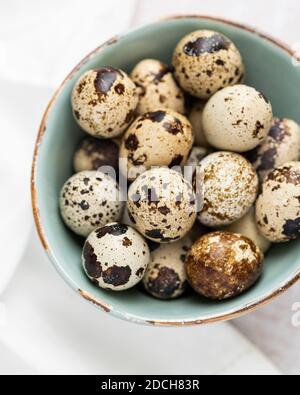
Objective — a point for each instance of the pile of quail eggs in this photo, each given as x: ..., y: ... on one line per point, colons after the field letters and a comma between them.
x: 148, y: 126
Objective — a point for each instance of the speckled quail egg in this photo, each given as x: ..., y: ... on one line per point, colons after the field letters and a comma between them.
x: 222, y: 265
x: 157, y: 87
x: 93, y: 153
x: 195, y: 118
x: 104, y: 102
x: 278, y: 207
x: 282, y: 145
x: 115, y: 257
x: 237, y: 119
x: 230, y: 188
x: 159, y: 138
x: 162, y: 204
x: 247, y: 226
x: 88, y: 200
x: 206, y: 61
x: 165, y: 277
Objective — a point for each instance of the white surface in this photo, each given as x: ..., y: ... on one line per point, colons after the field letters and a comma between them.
x: 39, y: 43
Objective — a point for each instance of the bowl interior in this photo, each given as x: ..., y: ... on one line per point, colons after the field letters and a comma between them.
x: 269, y: 69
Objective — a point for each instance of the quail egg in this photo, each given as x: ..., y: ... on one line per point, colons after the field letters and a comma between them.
x: 88, y: 200
x: 195, y: 118
x: 282, y: 145
x: 221, y: 265
x: 157, y: 87
x: 230, y: 188
x: 104, y: 102
x: 115, y: 257
x: 237, y: 118
x: 162, y: 204
x: 93, y: 153
x: 206, y: 61
x: 247, y: 226
x: 278, y: 206
x: 165, y: 277
x: 159, y: 138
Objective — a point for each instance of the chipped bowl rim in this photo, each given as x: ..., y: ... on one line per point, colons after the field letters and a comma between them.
x: 209, y: 319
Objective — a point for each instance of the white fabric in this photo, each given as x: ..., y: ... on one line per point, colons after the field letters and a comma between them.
x: 44, y: 327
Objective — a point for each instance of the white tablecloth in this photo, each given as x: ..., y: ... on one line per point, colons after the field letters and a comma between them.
x: 44, y: 327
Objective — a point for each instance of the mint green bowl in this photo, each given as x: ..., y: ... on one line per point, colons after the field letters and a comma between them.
x: 270, y: 68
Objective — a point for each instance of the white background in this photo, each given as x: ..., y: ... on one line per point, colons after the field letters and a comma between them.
x: 44, y: 327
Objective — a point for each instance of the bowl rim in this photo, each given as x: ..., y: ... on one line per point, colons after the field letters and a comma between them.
x: 233, y: 313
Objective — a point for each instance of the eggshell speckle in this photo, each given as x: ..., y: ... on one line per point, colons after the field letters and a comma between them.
x: 237, y: 119
x: 157, y: 87
x: 222, y: 265
x: 206, y: 61
x: 162, y: 204
x: 104, y: 102
x: 88, y: 200
x: 159, y: 138
x: 165, y: 277
x: 278, y: 207
x: 115, y: 257
x: 282, y: 145
x: 230, y: 188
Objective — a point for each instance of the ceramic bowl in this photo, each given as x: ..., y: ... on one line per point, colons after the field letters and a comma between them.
x: 271, y: 68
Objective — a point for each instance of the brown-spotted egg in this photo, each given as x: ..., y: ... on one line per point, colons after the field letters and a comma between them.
x: 94, y: 153
x: 278, y: 206
x: 159, y: 138
x: 165, y: 277
x: 157, y: 87
x: 230, y: 188
x: 104, y: 101
x: 282, y: 145
x: 162, y: 204
x: 115, y: 257
x: 88, y: 200
x: 237, y: 118
x: 221, y: 265
x: 206, y: 61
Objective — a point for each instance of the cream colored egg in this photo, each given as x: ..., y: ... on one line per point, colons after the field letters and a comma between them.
x: 104, y: 102
x: 92, y: 154
x: 162, y: 204
x: 88, y: 200
x: 159, y: 138
x: 165, y: 277
x: 115, y: 257
x: 282, y: 145
x: 157, y: 87
x: 237, y: 119
x: 230, y: 188
x: 278, y: 206
x: 206, y: 61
